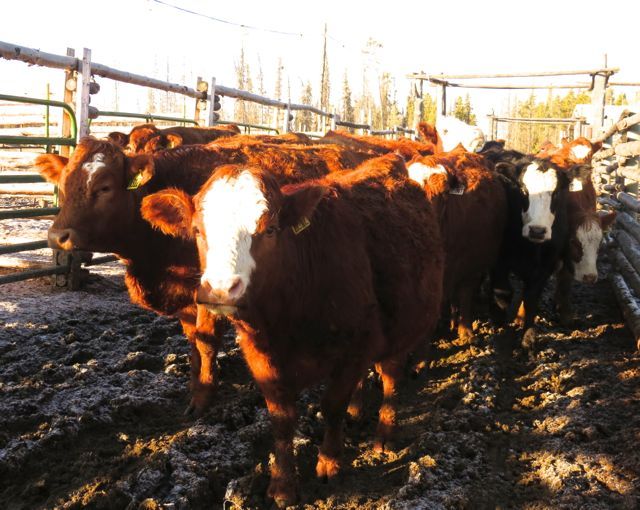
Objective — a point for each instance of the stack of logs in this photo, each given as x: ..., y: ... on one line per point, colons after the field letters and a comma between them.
x: 616, y: 176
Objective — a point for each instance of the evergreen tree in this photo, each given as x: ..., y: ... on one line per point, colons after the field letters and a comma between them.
x: 325, y: 91
x: 305, y: 121
x: 347, y: 112
x: 278, y: 92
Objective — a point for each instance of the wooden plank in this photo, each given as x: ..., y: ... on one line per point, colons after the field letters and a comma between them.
x: 628, y: 304
x: 69, y: 98
x: 598, y: 94
x: 83, y: 121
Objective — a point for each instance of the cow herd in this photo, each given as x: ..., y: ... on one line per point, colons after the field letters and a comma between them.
x: 328, y: 256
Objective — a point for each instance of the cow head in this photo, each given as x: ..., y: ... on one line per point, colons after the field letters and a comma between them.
x: 139, y: 137
x: 238, y: 219
x: 543, y: 187
x: 97, y: 208
x: 453, y: 132
x: 585, y: 243
x: 161, y: 142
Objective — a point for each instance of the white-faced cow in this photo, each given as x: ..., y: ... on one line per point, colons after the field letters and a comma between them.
x: 321, y: 279
x: 102, y: 188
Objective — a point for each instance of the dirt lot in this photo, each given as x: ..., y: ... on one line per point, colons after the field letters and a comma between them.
x: 92, y: 391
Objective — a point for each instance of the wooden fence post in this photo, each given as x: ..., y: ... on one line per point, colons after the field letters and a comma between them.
x: 597, y: 103
x: 70, y: 87
x: 212, y: 103
x: 83, y: 129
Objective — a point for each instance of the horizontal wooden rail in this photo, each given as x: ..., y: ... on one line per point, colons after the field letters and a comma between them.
x: 18, y: 247
x: 28, y: 213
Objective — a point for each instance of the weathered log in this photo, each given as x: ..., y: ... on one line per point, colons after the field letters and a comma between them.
x: 631, y: 172
x: 626, y: 269
x: 628, y: 304
x: 629, y: 247
x: 628, y: 201
x: 629, y: 224
x: 628, y: 149
x: 621, y: 125
x: 610, y: 202
x: 603, y: 154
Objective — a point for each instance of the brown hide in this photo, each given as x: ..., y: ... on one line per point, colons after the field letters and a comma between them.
x: 361, y: 284
x: 472, y: 223
x: 103, y: 215
x: 405, y: 147
x: 429, y: 134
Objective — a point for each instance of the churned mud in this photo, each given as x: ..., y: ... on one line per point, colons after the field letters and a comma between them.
x: 92, y: 391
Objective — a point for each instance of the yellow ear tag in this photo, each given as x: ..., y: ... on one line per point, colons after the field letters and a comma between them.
x: 304, y: 223
x: 135, y: 182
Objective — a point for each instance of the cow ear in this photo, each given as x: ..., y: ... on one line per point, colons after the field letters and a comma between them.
x: 170, y: 211
x: 118, y: 138
x: 507, y: 170
x: 580, y: 172
x: 173, y: 141
x: 140, y: 170
x: 51, y: 166
x: 595, y: 147
x: 564, y: 141
x: 606, y: 218
x: 298, y: 206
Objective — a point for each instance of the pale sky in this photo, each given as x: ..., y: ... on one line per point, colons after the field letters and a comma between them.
x: 454, y: 36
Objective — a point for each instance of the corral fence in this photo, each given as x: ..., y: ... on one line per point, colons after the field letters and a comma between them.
x: 599, y: 80
x: 68, y: 266
x: 616, y: 175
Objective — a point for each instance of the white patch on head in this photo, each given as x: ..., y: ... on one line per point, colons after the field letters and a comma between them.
x: 589, y: 236
x: 453, y: 131
x: 580, y: 152
x: 422, y: 173
x: 575, y: 185
x: 231, y: 209
x: 540, y: 186
x: 91, y: 167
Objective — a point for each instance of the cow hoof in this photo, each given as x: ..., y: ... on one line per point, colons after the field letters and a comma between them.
x: 283, y: 494
x: 327, y: 467
x: 529, y: 338
x: 199, y: 404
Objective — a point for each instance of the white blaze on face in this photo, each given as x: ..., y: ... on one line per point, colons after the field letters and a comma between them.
x: 91, y: 167
x: 580, y: 152
x: 422, y: 173
x: 589, y: 235
x: 540, y: 186
x: 231, y: 209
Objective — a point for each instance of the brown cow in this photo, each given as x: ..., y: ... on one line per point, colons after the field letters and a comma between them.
x: 404, y: 146
x: 103, y: 187
x: 429, y: 134
x: 320, y: 279
x: 472, y: 207
x: 147, y: 138
x: 586, y: 225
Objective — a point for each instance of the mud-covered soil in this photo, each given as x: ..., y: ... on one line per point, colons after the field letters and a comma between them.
x: 92, y: 391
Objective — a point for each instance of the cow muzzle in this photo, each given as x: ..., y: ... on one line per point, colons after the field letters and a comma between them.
x: 65, y: 239
x: 221, y: 299
x: 536, y: 233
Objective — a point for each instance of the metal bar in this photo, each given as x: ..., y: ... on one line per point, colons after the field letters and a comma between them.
x: 546, y: 120
x: 146, y: 116
x: 33, y: 273
x: 14, y: 248
x: 36, y: 140
x: 422, y: 76
x: 353, y: 125
x: 28, y: 213
x: 59, y: 104
x: 101, y: 260
x: 512, y: 87
x: 244, y: 124
x: 21, y: 178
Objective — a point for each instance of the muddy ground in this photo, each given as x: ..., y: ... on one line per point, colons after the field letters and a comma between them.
x: 92, y: 391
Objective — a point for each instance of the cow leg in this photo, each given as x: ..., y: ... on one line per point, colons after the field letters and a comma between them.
x: 281, y: 404
x: 390, y: 371
x: 466, y: 293
x: 205, y: 342
x: 334, y: 405
x: 502, y: 295
x: 564, y: 279
x: 532, y: 292
x: 357, y: 401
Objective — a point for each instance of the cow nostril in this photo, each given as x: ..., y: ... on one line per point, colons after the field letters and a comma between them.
x: 590, y: 278
x: 64, y: 237
x: 236, y: 287
x: 537, y: 232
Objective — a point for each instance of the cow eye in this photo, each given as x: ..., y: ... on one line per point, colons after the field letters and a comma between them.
x: 103, y: 189
x: 271, y: 230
